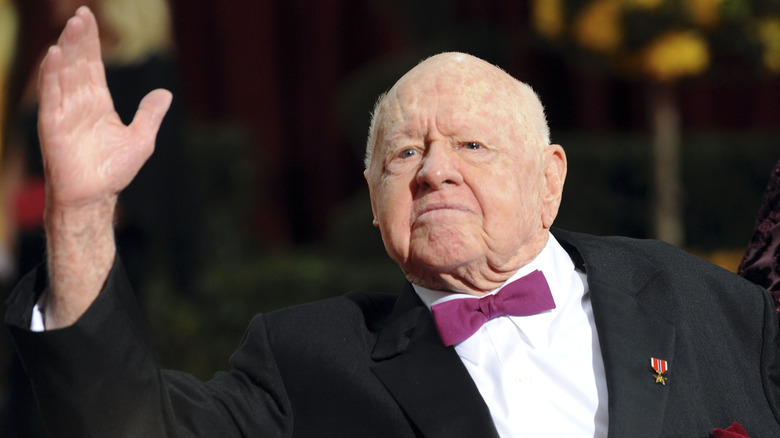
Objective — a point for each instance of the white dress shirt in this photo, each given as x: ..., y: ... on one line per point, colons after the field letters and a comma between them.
x: 540, y: 375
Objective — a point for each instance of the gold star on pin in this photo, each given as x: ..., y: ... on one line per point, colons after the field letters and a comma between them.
x: 659, y: 378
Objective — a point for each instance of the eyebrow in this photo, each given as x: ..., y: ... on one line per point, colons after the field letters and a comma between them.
x: 395, y: 135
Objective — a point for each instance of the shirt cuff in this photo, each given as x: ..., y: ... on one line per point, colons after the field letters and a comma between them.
x: 36, y: 325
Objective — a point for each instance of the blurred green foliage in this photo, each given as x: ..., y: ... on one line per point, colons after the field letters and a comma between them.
x: 240, y: 276
x: 609, y: 185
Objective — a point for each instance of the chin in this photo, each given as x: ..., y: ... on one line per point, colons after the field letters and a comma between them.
x: 428, y: 280
x: 442, y: 262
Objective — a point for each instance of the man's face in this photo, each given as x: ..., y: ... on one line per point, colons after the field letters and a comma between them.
x: 458, y: 195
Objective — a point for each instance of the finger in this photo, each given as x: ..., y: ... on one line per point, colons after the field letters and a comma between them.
x: 90, y: 36
x: 90, y: 46
x: 150, y: 114
x: 70, y: 39
x: 49, y: 92
x: 82, y: 64
x: 70, y: 79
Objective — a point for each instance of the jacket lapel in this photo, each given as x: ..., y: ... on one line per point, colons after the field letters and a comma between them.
x: 630, y: 334
x: 427, y: 379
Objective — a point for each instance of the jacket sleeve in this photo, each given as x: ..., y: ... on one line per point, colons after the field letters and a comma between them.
x: 770, y: 355
x: 100, y: 378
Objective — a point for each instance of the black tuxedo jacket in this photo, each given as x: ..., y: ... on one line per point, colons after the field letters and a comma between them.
x: 372, y: 365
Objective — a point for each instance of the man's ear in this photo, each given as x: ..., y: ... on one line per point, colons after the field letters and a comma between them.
x: 554, y: 176
x: 371, y: 195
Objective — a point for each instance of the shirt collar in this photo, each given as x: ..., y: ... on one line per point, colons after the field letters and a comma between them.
x: 558, y: 269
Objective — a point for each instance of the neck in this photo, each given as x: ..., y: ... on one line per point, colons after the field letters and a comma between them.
x: 478, y: 277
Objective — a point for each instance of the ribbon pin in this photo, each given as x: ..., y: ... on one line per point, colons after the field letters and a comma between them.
x: 660, y: 366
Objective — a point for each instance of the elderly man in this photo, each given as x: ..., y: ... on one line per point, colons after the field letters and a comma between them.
x: 503, y: 330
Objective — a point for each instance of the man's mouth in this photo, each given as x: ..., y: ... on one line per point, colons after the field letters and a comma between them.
x: 441, y: 207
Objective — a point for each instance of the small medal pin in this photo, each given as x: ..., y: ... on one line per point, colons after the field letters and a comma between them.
x: 660, y: 366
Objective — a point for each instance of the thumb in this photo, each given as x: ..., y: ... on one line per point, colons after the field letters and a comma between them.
x: 150, y: 113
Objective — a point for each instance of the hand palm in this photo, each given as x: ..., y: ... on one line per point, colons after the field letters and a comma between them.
x: 89, y: 154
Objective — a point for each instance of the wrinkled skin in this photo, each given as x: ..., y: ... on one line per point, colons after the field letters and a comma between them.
x: 89, y: 156
x: 463, y: 186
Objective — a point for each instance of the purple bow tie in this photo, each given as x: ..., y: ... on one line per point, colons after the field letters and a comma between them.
x: 461, y: 318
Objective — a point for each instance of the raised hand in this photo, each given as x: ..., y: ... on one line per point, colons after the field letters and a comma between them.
x: 89, y: 157
x: 88, y: 152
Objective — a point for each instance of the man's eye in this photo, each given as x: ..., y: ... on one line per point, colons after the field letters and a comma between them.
x: 406, y: 153
x: 472, y: 145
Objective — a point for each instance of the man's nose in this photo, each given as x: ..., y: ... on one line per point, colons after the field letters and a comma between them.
x: 438, y: 167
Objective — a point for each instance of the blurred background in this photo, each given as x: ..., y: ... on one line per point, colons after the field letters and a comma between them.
x: 668, y: 110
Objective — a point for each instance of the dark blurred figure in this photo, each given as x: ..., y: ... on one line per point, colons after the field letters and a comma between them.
x: 156, y: 213
x: 9, y: 26
x: 760, y: 264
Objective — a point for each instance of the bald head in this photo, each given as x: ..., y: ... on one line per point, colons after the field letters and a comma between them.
x: 475, y: 79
